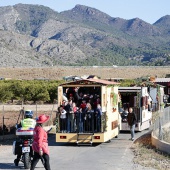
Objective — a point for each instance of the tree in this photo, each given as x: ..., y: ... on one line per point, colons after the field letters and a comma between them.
x: 28, y: 90
x: 18, y: 88
x: 127, y: 83
x: 52, y: 90
x: 37, y: 92
x: 5, y: 93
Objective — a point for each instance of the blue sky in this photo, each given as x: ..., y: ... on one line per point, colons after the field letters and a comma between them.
x: 147, y: 10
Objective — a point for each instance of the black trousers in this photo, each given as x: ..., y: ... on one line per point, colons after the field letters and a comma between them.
x: 19, y: 157
x: 44, y: 158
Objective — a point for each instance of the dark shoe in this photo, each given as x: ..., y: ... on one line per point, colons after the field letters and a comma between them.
x: 16, y: 162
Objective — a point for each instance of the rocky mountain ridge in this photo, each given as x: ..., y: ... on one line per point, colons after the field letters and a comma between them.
x: 36, y: 36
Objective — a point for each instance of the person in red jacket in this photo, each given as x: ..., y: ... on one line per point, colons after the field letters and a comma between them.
x: 40, y: 144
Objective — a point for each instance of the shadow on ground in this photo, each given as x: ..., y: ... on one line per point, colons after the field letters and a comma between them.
x: 9, y: 166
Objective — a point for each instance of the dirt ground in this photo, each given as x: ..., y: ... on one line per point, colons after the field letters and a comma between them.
x: 148, y: 156
x: 57, y: 73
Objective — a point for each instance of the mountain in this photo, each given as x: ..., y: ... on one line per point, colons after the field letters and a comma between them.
x: 100, y: 20
x: 35, y: 35
x: 15, y: 50
x: 164, y: 24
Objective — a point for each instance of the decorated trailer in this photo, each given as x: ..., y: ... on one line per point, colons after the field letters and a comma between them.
x: 87, y: 112
x: 140, y: 100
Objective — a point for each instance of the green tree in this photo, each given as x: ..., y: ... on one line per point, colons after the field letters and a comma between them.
x: 36, y: 92
x: 127, y: 82
x: 18, y: 88
x: 28, y: 90
x: 5, y: 93
x: 52, y: 90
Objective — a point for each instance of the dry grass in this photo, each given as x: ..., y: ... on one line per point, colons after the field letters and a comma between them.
x: 57, y: 73
x: 166, y: 135
x: 148, y: 156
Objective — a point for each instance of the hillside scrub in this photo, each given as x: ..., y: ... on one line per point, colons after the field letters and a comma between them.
x: 38, y: 36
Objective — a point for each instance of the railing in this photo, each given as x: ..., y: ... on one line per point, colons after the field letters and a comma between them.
x: 10, y: 115
x: 87, y: 123
x: 161, y: 125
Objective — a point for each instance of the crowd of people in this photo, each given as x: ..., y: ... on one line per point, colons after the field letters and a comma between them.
x: 80, y: 111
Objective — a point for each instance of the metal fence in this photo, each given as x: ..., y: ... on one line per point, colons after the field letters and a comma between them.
x: 161, y: 125
x: 81, y: 122
x: 10, y: 115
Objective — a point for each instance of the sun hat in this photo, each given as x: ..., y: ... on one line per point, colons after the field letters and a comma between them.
x: 42, y: 118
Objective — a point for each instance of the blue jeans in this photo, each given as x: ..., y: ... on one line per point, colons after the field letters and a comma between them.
x: 81, y: 127
x: 132, y: 131
x: 69, y: 122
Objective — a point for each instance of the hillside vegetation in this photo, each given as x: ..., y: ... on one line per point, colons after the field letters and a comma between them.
x: 37, y: 36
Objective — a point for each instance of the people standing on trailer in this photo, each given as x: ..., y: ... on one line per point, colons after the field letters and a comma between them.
x: 81, y: 116
x: 131, y: 118
x: 96, y: 102
x: 98, y: 114
x: 88, y: 118
x: 71, y: 116
x: 91, y: 100
x: 68, y: 109
x: 75, y: 108
x: 83, y: 105
x: 63, y: 119
x: 78, y: 96
x: 80, y: 120
x: 70, y: 93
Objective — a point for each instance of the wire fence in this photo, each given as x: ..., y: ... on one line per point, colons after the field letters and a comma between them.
x: 161, y: 125
x: 10, y: 115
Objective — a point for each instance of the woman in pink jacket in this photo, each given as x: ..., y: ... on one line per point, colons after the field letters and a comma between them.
x: 40, y: 144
